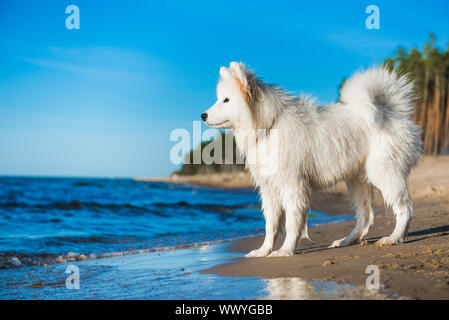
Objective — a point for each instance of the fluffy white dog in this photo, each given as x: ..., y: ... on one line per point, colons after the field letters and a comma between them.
x: 367, y: 139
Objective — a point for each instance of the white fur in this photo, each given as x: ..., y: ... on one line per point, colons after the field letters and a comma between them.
x: 368, y: 139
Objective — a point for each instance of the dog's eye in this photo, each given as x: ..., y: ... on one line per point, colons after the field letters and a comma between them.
x: 226, y: 100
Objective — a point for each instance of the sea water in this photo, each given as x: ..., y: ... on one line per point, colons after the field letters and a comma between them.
x: 129, y: 240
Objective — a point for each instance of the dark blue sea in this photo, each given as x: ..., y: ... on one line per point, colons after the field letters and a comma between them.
x: 48, y: 223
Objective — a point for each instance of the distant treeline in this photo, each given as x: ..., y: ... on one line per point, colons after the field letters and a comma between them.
x: 430, y: 70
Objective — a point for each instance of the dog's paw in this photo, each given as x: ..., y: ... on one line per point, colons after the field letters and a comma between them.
x: 341, y: 243
x: 388, y: 241
x: 261, y: 252
x: 281, y: 253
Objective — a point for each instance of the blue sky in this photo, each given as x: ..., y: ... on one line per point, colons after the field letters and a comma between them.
x: 102, y: 100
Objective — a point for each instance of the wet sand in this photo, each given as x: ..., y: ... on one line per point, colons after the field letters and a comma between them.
x: 416, y: 269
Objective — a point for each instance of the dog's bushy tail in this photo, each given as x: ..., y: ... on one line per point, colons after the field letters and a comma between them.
x: 384, y: 95
x: 385, y: 100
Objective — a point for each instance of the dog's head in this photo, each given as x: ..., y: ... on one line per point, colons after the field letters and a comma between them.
x: 235, y: 94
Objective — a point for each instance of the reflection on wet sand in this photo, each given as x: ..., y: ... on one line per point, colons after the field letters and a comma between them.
x: 300, y: 289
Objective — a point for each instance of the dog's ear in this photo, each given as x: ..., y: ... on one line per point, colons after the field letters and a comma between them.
x: 224, y: 72
x: 238, y: 70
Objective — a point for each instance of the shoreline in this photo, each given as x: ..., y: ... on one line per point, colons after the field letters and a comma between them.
x: 416, y: 269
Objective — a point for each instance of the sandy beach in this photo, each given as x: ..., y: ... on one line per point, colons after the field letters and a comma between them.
x: 416, y: 269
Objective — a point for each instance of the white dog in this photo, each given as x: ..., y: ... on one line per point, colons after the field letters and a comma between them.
x: 367, y: 139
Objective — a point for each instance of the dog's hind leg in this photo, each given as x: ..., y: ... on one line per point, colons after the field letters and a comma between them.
x: 272, y: 211
x: 394, y: 191
x: 389, y: 175
x: 361, y: 201
x: 295, y: 202
x: 403, y: 210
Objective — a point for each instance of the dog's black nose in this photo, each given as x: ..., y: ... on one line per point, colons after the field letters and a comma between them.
x: 204, y: 116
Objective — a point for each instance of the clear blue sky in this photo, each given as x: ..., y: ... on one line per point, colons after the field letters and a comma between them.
x: 102, y: 100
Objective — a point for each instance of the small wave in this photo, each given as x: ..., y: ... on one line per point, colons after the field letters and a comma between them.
x: 96, y: 239
x: 80, y: 205
x: 220, y: 208
x: 96, y: 206
x: 88, y: 184
x: 16, y: 260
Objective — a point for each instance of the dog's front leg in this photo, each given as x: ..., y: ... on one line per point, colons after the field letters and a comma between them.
x: 295, y: 206
x: 272, y: 212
